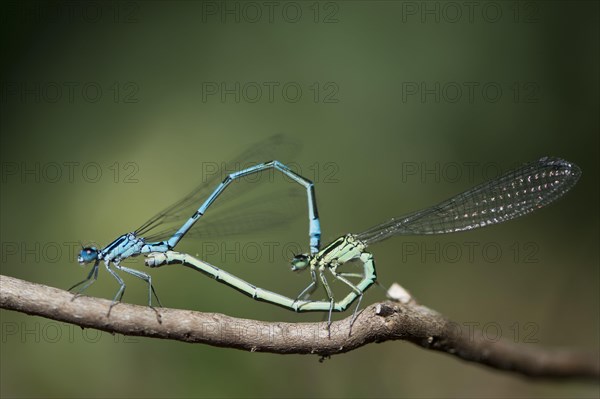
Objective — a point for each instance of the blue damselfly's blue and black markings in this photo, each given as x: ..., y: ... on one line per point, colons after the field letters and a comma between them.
x: 158, y: 234
x: 510, y: 196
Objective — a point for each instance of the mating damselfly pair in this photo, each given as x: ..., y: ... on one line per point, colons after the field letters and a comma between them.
x: 512, y: 195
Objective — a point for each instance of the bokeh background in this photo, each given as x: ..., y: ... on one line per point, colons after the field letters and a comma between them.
x: 110, y: 110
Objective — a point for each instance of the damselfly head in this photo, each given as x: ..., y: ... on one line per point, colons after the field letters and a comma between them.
x: 87, y: 255
x: 300, y: 262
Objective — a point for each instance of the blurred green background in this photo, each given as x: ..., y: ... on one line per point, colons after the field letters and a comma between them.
x: 109, y: 108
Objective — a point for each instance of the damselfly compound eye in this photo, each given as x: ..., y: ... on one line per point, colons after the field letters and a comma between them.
x: 87, y: 255
x: 300, y: 262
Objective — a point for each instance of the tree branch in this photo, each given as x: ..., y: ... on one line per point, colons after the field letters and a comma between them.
x: 377, y: 323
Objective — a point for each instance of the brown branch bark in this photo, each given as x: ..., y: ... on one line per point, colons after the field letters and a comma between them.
x: 377, y: 323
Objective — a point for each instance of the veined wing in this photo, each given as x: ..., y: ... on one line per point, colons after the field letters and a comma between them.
x: 266, y: 212
x: 171, y: 218
x: 512, y: 195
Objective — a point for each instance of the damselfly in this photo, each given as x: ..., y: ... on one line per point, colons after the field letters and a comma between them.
x: 512, y: 195
x: 163, y: 231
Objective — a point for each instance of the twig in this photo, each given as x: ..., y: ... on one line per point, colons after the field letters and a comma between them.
x: 377, y: 323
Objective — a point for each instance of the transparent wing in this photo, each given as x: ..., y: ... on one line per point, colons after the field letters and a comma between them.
x: 512, y: 195
x: 165, y: 223
x: 263, y: 213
